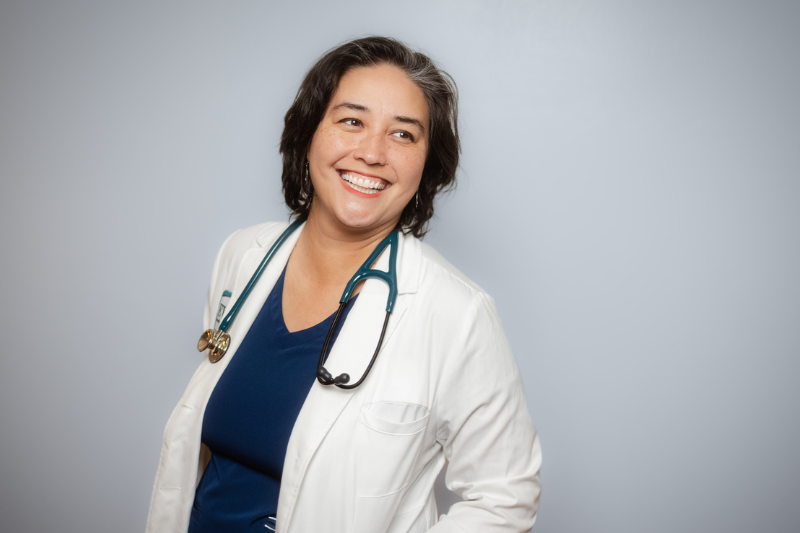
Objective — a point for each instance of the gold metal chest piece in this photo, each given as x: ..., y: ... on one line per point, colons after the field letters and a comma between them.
x: 216, y: 342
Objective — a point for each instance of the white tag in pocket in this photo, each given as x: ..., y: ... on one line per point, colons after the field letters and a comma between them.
x: 223, y: 304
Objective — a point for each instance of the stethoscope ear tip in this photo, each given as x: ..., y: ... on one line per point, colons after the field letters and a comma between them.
x: 324, y: 376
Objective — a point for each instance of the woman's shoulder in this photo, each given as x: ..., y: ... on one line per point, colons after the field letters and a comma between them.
x: 445, y: 285
x: 238, y: 243
x: 437, y: 267
x: 452, y: 303
x: 258, y: 235
x: 439, y: 274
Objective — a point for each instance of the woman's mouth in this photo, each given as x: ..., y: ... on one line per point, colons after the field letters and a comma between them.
x: 363, y: 184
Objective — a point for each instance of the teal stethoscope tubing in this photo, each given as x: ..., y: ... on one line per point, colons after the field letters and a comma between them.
x: 226, y: 322
x: 364, y: 272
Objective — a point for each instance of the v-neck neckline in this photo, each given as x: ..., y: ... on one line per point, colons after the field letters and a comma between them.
x: 287, y: 338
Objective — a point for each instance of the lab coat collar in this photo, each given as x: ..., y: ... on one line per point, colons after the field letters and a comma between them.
x: 409, y: 256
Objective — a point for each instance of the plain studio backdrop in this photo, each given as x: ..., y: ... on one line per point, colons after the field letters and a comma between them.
x: 629, y: 194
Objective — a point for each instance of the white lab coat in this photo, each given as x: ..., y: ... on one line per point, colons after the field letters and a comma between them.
x: 444, y: 386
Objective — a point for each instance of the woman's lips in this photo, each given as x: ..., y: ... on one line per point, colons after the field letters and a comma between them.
x: 365, y: 185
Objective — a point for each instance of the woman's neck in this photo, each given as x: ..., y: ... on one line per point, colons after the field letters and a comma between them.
x: 329, y: 253
x: 323, y: 260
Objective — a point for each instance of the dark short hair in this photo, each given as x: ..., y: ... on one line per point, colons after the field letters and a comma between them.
x: 314, y: 96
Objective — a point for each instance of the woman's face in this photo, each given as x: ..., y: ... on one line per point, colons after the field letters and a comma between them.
x: 367, y: 155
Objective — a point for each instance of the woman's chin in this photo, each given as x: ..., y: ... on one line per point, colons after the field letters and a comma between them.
x: 362, y: 222
x: 355, y: 217
x: 358, y: 223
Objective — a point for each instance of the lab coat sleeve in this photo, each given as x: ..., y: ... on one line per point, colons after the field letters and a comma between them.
x: 486, y: 431
x: 162, y: 513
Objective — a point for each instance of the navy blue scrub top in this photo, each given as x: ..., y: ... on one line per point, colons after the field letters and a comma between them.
x: 249, y: 419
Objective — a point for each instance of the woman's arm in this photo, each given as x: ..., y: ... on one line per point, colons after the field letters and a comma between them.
x: 486, y: 431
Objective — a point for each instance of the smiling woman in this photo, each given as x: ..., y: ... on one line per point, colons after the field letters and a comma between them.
x: 315, y: 102
x: 368, y: 153
x: 263, y: 440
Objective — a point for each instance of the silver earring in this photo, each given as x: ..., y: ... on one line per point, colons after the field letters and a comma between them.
x: 416, y: 196
x: 306, y: 170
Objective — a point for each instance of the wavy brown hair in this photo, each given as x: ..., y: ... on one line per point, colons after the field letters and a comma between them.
x: 314, y: 96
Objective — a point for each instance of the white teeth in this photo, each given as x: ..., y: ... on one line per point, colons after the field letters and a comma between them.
x: 363, y: 185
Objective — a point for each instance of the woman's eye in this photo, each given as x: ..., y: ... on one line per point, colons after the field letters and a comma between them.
x: 351, y: 122
x: 404, y: 135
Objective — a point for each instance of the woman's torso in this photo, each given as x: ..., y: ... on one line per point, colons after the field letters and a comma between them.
x: 366, y: 460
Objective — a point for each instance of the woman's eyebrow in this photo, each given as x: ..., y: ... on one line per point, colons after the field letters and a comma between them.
x: 354, y: 107
x: 409, y: 120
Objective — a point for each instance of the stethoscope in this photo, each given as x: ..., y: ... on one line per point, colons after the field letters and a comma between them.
x: 218, y: 341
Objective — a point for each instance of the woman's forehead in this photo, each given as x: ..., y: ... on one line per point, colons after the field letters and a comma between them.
x: 383, y: 90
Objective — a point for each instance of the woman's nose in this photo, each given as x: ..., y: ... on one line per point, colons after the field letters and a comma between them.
x: 371, y: 149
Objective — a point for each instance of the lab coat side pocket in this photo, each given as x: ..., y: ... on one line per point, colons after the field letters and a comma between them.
x: 387, y: 440
x: 380, y: 514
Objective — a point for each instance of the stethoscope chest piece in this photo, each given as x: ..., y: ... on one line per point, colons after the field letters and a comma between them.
x: 216, y: 342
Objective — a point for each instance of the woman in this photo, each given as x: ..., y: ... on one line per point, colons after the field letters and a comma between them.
x: 368, y: 143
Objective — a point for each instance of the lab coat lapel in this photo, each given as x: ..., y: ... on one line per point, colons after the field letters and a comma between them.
x: 183, y: 441
x: 351, y: 353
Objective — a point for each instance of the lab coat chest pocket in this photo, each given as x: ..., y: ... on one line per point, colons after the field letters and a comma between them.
x: 388, y: 438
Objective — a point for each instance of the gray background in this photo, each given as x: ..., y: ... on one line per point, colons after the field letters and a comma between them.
x: 629, y: 196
